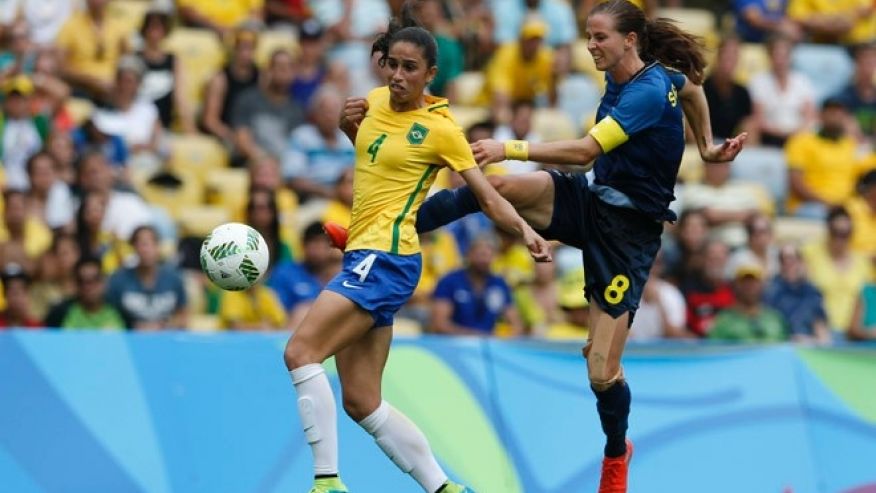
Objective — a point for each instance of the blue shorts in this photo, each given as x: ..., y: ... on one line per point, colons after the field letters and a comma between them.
x: 618, y: 244
x: 379, y: 282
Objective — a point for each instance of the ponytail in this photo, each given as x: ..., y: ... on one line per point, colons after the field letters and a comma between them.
x: 675, y: 48
x: 405, y: 19
x: 660, y: 40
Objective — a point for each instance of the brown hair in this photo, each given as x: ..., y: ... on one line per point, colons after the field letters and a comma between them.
x: 660, y: 39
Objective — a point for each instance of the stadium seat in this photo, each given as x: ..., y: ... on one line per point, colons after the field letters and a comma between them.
x: 201, y: 54
x: 700, y: 22
x: 766, y: 166
x: 174, y: 197
x: 467, y: 116
x: 80, y: 109
x: 270, y: 41
x: 691, y: 170
x: 578, y: 96
x: 798, y: 231
x: 199, y: 221
x: 830, y: 68
x: 228, y: 188
x: 129, y: 12
x: 753, y: 59
x: 553, y: 124
x: 202, y: 322
x: 199, y: 154
x: 468, y: 88
x: 582, y: 61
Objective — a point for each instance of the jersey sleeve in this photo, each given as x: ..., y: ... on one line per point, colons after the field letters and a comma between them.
x: 453, y: 149
x: 678, y: 79
x: 796, y: 151
x: 639, y: 108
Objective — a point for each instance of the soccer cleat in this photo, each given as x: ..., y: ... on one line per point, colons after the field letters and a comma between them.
x: 451, y: 487
x: 328, y: 485
x: 337, y: 235
x: 614, y: 472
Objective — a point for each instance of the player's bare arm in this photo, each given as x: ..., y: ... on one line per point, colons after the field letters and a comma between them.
x: 696, y: 110
x: 352, y: 115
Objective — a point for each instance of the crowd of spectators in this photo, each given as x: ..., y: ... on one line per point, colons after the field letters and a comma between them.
x: 129, y: 128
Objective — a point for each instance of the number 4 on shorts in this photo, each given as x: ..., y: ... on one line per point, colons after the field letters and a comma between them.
x: 364, y: 267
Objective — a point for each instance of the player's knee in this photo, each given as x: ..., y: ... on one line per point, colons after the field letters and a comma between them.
x: 297, y: 354
x: 359, y: 405
x: 603, y: 375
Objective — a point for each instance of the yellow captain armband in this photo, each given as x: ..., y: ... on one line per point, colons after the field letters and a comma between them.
x: 609, y: 134
x: 517, y: 150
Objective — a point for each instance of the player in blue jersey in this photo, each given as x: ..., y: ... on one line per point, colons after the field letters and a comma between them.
x: 654, y: 73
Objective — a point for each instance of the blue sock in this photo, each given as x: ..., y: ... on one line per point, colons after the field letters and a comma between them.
x: 613, y: 405
x: 445, y: 207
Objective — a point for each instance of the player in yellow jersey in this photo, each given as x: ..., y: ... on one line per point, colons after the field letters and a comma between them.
x: 404, y: 138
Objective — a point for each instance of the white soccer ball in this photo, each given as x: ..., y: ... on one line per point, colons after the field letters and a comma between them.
x: 234, y: 256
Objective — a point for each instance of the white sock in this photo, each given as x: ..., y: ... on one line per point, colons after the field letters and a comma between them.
x: 316, y: 407
x: 405, y: 444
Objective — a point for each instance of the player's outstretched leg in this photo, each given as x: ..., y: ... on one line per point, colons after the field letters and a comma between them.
x: 360, y: 367
x: 603, y: 354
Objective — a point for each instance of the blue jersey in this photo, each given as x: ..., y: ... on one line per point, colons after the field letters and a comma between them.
x: 772, y: 10
x: 645, y: 167
x: 477, y: 310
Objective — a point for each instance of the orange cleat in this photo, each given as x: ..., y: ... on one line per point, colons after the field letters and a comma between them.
x: 614, y: 472
x: 337, y: 235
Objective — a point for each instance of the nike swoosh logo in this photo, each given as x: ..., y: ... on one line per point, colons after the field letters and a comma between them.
x: 347, y: 284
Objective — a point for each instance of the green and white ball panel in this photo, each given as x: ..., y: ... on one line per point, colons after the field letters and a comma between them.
x: 234, y: 256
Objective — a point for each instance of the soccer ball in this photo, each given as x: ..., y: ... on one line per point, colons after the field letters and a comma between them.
x: 234, y: 256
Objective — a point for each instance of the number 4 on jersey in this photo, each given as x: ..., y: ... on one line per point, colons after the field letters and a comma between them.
x: 375, y: 146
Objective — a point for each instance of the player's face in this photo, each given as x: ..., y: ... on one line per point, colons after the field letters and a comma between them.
x: 606, y: 44
x: 410, y: 73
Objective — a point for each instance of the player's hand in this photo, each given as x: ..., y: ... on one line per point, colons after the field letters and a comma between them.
x: 538, y: 247
x: 488, y: 151
x: 726, y: 151
x: 353, y: 113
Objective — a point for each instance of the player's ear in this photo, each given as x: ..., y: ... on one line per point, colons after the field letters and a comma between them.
x: 430, y: 74
x: 631, y: 40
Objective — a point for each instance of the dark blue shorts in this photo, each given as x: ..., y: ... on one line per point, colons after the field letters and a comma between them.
x: 379, y: 282
x: 618, y: 244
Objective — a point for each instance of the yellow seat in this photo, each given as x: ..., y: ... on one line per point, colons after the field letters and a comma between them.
x: 228, y: 188
x: 466, y: 116
x: 202, y: 322
x: 189, y: 193
x: 201, y: 55
x: 553, y: 124
x: 582, y: 61
x: 691, y: 169
x: 128, y: 12
x: 753, y: 59
x: 468, y: 88
x: 80, y: 109
x: 798, y: 231
x: 271, y: 41
x: 199, y: 221
x: 199, y: 154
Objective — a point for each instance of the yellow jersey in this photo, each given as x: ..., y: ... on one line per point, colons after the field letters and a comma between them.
x: 397, y: 157
x: 864, y: 29
x: 508, y: 73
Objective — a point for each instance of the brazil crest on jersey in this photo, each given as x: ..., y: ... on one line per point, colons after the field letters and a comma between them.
x: 397, y: 157
x: 644, y: 142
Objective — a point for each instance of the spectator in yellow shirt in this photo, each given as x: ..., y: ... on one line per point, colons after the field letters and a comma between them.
x: 257, y: 308
x: 521, y: 71
x: 836, y: 270
x: 862, y: 209
x: 220, y: 16
x: 91, y: 43
x: 23, y: 238
x: 836, y: 21
x: 823, y: 165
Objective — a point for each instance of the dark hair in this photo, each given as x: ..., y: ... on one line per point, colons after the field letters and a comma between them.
x: 485, y: 125
x: 41, y: 154
x: 837, y: 213
x: 312, y: 232
x: 13, y: 192
x: 406, y: 28
x: 272, y: 235
x: 154, y: 15
x: 866, y: 181
x: 85, y: 261
x: 144, y: 229
x: 660, y: 40
x: 84, y: 235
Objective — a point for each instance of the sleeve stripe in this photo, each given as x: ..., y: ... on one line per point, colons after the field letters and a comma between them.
x: 609, y: 134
